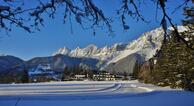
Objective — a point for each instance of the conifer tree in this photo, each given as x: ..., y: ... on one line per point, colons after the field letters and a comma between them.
x: 136, y: 70
x: 175, y: 66
x: 64, y: 74
x: 25, y: 76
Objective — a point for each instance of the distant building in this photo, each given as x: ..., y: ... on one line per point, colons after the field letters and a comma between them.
x: 103, y: 76
x: 80, y: 77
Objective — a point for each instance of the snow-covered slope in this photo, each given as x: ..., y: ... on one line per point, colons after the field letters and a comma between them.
x: 87, y: 93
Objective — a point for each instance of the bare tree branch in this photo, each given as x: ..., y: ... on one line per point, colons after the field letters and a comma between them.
x: 87, y: 12
x: 181, y: 5
x: 134, y: 13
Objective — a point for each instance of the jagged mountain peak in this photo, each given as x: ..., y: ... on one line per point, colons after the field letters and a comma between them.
x: 64, y: 51
x: 151, y: 39
x: 146, y: 46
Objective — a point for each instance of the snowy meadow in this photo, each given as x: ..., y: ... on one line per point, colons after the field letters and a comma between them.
x: 87, y: 93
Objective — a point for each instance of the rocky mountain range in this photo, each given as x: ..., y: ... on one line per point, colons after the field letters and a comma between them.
x: 120, y: 57
x: 145, y: 46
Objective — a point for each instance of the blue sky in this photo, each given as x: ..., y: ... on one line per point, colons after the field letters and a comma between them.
x: 55, y: 34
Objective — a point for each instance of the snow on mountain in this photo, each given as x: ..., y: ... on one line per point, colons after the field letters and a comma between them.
x: 92, y: 51
x: 146, y: 46
x: 64, y: 51
x: 41, y: 69
x: 88, y: 51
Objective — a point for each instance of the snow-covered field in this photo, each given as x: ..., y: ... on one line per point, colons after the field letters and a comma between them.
x: 91, y: 93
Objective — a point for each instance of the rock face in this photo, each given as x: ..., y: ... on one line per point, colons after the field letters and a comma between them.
x: 125, y: 65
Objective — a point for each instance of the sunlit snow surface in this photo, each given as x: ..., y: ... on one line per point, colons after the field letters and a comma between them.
x: 88, y: 93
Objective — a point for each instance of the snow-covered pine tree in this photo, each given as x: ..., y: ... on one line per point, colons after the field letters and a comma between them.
x: 175, y: 66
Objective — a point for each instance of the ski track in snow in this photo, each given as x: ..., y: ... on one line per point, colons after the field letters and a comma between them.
x: 91, y: 93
